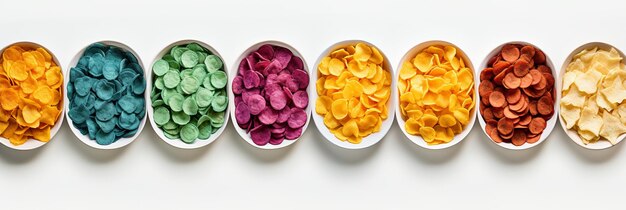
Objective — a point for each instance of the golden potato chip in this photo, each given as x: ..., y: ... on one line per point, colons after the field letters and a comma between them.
x: 612, y: 127
x: 438, y: 96
x: 353, y: 89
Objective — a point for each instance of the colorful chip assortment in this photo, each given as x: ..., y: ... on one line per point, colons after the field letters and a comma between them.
x: 106, y: 94
x: 271, y: 95
x: 188, y: 95
x: 436, y: 94
x: 592, y: 102
x: 30, y: 94
x: 517, y: 94
x: 353, y: 88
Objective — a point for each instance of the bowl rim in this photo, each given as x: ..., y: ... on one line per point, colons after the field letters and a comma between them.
x: 31, y: 143
x: 178, y: 143
x: 416, y: 139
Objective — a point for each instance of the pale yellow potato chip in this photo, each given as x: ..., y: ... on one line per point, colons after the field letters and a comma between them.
x: 573, y: 97
x: 570, y: 115
x: 569, y: 78
x: 588, y: 81
x: 612, y: 127
x: 615, y: 93
x: 590, y: 121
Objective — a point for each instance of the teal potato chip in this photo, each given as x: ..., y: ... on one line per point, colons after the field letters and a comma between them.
x: 184, y: 93
x: 109, y: 102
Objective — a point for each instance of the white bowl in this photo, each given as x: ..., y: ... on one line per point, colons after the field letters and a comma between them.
x: 549, y: 124
x: 372, y: 138
x: 32, y: 143
x: 603, y: 144
x: 231, y: 95
x: 85, y: 138
x: 401, y: 122
x: 178, y: 142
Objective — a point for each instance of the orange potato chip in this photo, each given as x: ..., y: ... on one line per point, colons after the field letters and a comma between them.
x: 30, y: 94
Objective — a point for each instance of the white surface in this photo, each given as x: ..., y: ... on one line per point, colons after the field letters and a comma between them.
x: 313, y: 173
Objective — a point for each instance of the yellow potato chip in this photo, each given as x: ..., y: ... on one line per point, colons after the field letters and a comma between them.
x: 428, y: 133
x: 570, y: 115
x: 423, y: 61
x: 335, y: 67
x: 612, y: 127
x: 588, y: 81
x: 590, y: 121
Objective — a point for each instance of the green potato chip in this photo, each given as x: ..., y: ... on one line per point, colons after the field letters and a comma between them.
x: 176, y: 102
x: 213, y: 63
x: 189, y: 133
x: 180, y: 118
x: 171, y: 79
x: 161, y: 115
x: 199, y: 72
x: 190, y: 107
x: 170, y: 125
x: 160, y: 67
x: 219, y: 79
x: 204, y: 97
x: 157, y: 103
x: 158, y: 83
x: 186, y: 73
x: 189, y: 59
x: 219, y: 103
x: 171, y: 136
x: 189, y: 85
x: 195, y: 47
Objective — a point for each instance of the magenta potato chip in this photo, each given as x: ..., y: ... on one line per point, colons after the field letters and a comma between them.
x: 278, y: 100
x: 271, y: 95
x: 251, y: 79
x: 282, y: 55
x: 268, y: 116
x: 265, y: 52
x: 283, y: 115
x: 256, y: 103
x: 238, y: 87
x: 277, y: 130
x: 242, y: 114
x: 293, y: 133
x: 301, y: 78
x: 288, y: 93
x: 260, y: 135
x: 295, y: 63
x: 276, y: 140
x: 297, y: 118
x: 301, y: 99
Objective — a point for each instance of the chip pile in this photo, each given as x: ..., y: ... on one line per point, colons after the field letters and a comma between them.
x: 353, y: 89
x: 517, y: 95
x: 436, y: 94
x: 593, y: 95
x: 188, y: 95
x: 30, y: 94
x: 271, y: 95
x: 106, y: 93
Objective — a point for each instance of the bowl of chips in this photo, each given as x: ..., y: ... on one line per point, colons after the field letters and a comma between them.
x: 188, y: 102
x: 437, y: 95
x: 355, y: 92
x: 31, y: 95
x: 592, y: 109
x: 269, y: 94
x: 518, y: 97
x: 106, y: 101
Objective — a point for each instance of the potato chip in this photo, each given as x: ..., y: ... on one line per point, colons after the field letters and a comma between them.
x: 30, y: 116
x: 596, y: 112
x: 354, y: 93
x: 437, y: 86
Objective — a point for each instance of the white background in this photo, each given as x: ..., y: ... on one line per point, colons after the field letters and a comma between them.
x: 312, y: 174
